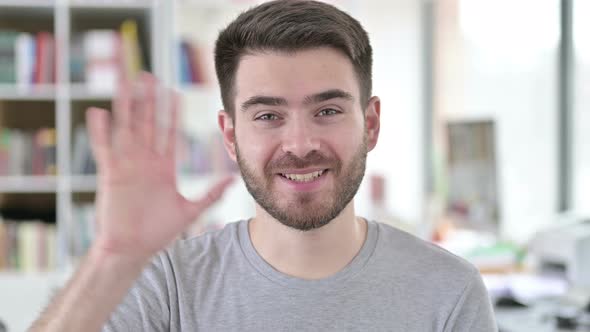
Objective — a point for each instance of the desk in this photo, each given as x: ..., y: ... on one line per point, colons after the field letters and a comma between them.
x: 539, y: 318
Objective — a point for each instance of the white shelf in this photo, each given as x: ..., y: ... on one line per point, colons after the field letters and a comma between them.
x: 84, y: 183
x: 207, y: 89
x: 33, y: 4
x: 79, y: 91
x: 32, y: 92
x: 115, y: 4
x: 28, y: 184
x: 217, y: 4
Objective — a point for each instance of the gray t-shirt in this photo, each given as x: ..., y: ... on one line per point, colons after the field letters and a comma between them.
x: 218, y: 282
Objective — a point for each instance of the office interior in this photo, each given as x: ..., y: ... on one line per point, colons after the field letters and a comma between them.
x: 484, y: 147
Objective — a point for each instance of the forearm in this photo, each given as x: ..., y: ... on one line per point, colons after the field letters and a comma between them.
x: 99, y: 285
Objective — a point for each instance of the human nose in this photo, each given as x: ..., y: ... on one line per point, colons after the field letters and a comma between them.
x: 300, y: 139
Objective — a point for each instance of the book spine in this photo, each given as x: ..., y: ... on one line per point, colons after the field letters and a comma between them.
x: 8, y: 56
x: 131, y: 49
x: 3, y: 245
x: 41, y: 246
x: 51, y: 247
x: 24, y: 60
x: 40, y: 57
x: 102, y: 51
x: 5, y: 138
x: 27, y: 246
x: 13, y: 256
x: 185, y: 74
x: 193, y: 65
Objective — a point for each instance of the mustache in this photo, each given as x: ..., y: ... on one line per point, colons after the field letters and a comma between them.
x: 313, y: 158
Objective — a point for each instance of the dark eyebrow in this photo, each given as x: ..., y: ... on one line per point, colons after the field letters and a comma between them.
x: 327, y: 95
x: 263, y: 100
x: 312, y: 99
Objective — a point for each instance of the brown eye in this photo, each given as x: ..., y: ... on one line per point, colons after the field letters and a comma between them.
x: 328, y: 111
x: 267, y: 117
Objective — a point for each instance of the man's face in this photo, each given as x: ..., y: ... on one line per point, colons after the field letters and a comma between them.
x: 300, y: 134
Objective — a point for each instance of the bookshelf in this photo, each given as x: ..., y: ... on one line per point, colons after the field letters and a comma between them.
x: 60, y: 102
x: 50, y: 92
x: 66, y: 195
x: 196, y: 24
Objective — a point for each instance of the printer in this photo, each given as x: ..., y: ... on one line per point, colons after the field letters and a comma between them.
x: 566, y: 249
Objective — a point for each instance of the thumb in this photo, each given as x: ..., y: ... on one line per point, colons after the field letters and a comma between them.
x: 196, y: 208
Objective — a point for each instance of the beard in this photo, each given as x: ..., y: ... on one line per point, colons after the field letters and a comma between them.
x: 305, y: 211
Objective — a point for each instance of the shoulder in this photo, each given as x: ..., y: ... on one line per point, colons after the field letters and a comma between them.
x: 432, y: 279
x: 202, y: 250
x: 415, y: 259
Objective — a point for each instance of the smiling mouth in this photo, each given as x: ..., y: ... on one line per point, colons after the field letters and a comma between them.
x: 307, y: 177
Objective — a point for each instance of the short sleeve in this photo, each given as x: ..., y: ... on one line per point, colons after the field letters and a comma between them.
x: 146, y: 306
x: 473, y: 311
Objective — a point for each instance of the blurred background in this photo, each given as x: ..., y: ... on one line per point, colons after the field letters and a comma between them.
x: 484, y: 148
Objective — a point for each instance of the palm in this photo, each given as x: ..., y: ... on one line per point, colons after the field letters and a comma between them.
x: 139, y: 209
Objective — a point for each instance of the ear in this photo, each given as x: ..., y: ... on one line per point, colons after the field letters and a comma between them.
x: 226, y: 124
x: 373, y: 121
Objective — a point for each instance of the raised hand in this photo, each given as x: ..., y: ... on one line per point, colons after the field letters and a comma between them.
x: 139, y: 209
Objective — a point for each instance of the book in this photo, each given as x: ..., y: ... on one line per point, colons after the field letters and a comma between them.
x: 82, y: 231
x: 12, y: 255
x: 25, y: 60
x: 131, y: 49
x: 17, y: 153
x: 47, y: 139
x: 44, y: 72
x: 102, y: 53
x: 27, y: 245
x: 77, y: 59
x: 191, y: 67
x: 184, y: 71
x: 28, y: 152
x: 83, y: 161
x: 3, y: 245
x: 4, y: 150
x: 101, y: 58
x: 8, y: 56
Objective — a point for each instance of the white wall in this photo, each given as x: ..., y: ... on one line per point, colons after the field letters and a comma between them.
x: 394, y: 28
x: 508, y: 72
x: 581, y: 142
x: 581, y: 108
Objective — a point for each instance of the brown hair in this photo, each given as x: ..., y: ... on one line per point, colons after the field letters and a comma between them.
x: 290, y: 26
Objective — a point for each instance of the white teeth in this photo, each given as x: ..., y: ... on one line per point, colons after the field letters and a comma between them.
x: 304, y: 177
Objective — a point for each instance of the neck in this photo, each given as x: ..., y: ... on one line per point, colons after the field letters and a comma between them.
x: 314, y: 254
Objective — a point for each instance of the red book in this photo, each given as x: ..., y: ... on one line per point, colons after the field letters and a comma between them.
x: 200, y: 63
x: 51, y: 59
x: 44, y: 58
x: 39, y: 58
x: 194, y: 60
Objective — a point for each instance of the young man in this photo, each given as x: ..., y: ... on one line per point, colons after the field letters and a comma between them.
x: 299, y: 120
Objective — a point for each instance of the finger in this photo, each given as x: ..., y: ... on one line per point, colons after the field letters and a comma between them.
x: 122, y: 106
x: 172, y: 132
x: 148, y: 109
x: 213, y: 195
x: 98, y: 122
x: 136, y: 106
